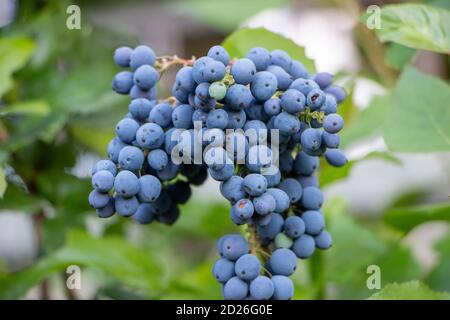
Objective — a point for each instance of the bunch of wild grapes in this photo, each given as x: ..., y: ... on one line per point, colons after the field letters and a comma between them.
x: 258, y: 125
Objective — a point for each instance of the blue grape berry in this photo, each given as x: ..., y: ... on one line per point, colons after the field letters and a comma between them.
x: 131, y: 158
x: 243, y: 71
x: 260, y: 57
x: 235, y: 289
x: 338, y: 92
x: 261, y: 288
x: 217, y: 119
x: 123, y: 82
x: 103, y: 181
x: 293, y: 101
x: 108, y: 210
x: 126, y: 184
x: 314, y: 222
x: 264, y: 204
x: 323, y: 79
x: 223, y: 270
x: 150, y: 136
x: 283, y: 262
x: 304, y: 246
x: 244, y: 209
x: 333, y: 123
x: 283, y: 288
x: 323, y: 240
x: 145, y: 77
x: 292, y: 188
x: 219, y: 53
x: 142, y: 55
x: 331, y: 140
x: 234, y: 247
x: 126, y: 207
x: 282, y: 200
x: 272, y: 107
x: 255, y: 184
x: 305, y: 164
x: 264, y: 85
x: 149, y: 188
x: 233, y: 189
x: 126, y: 130
x: 287, y: 123
x: 284, y: 79
x: 312, y: 198
x: 238, y: 97
x: 157, y: 159
x: 122, y: 56
x: 161, y: 114
x: 144, y: 214
x: 247, y: 267
x: 294, y: 227
x: 335, y: 157
x: 98, y: 200
x: 281, y: 58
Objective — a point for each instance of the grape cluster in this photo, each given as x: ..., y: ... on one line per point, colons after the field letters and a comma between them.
x: 138, y: 179
x: 258, y: 125
x: 240, y: 271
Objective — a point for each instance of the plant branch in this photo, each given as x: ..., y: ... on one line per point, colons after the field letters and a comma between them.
x: 165, y: 62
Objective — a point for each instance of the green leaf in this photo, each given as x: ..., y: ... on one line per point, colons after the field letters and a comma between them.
x: 386, y: 156
x: 68, y: 196
x: 34, y: 127
x: 16, y: 199
x: 3, y: 183
x: 347, y: 109
x: 349, y: 281
x: 440, y: 4
x: 205, y: 218
x: 35, y: 107
x: 406, y: 218
x: 94, y: 139
x: 329, y: 174
x: 132, y: 266
x: 14, y: 53
x: 344, y: 230
x: 220, y: 14
x: 438, y: 278
x: 398, y: 265
x: 14, y: 178
x: 418, y: 117
x: 398, y: 56
x: 412, y: 290
x: 242, y: 40
x: 198, y: 283
x: 417, y: 26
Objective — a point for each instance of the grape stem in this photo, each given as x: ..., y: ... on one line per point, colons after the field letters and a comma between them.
x: 256, y: 247
x: 307, y: 116
x: 165, y: 62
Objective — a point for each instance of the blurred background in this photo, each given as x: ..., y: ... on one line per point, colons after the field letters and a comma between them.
x: 388, y: 207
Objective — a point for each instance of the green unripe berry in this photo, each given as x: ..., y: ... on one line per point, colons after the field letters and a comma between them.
x: 217, y: 90
x: 283, y: 241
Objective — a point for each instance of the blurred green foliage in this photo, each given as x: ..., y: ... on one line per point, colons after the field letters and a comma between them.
x: 56, y: 105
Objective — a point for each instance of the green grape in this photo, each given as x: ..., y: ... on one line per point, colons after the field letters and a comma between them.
x: 283, y: 241
x: 217, y: 90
